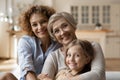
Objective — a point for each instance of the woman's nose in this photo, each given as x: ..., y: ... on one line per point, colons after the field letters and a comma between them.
x: 39, y: 26
x: 72, y: 58
x: 62, y: 31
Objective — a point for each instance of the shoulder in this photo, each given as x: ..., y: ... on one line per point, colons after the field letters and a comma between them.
x: 54, y: 56
x: 26, y: 38
x: 56, y: 44
x: 97, y: 47
x: 95, y: 44
x: 56, y: 53
x: 26, y: 41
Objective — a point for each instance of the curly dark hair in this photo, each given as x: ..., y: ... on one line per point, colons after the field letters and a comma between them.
x: 24, y: 19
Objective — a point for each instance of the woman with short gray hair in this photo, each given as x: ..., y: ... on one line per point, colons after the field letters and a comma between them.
x: 62, y: 27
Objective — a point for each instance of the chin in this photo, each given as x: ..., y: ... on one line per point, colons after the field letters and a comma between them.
x: 68, y: 42
x: 42, y: 36
x: 73, y: 68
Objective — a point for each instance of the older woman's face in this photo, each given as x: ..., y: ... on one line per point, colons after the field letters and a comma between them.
x: 63, y: 31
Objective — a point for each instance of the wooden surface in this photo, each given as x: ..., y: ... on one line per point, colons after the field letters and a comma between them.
x: 103, y: 30
x: 112, y: 64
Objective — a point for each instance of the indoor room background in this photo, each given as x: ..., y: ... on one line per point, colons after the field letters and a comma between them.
x: 98, y: 20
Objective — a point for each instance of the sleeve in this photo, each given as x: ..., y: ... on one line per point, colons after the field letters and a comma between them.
x: 25, y: 57
x: 50, y: 66
x: 97, y: 67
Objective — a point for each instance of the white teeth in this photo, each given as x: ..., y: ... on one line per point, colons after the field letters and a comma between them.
x: 72, y: 64
x: 41, y: 31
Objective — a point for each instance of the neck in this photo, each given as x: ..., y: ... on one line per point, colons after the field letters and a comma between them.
x: 45, y: 44
x: 65, y: 46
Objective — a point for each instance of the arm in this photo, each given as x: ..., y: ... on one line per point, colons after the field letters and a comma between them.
x: 50, y: 66
x: 97, y: 67
x: 25, y: 57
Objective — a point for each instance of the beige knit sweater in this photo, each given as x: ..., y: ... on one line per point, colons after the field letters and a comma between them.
x: 55, y: 62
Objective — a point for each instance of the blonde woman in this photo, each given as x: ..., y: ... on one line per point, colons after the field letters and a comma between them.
x: 62, y: 27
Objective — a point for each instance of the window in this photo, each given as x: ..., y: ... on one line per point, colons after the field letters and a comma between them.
x: 92, y: 14
x: 95, y: 14
x: 85, y: 14
x: 106, y: 14
x: 74, y: 12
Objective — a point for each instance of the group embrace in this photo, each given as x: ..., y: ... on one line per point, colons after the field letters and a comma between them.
x: 50, y: 49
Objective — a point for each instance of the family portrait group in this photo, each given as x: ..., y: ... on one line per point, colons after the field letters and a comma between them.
x: 50, y: 49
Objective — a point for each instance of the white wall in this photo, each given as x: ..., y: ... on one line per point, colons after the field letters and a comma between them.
x: 64, y: 5
x: 2, y: 6
x: 59, y: 5
x: 4, y: 40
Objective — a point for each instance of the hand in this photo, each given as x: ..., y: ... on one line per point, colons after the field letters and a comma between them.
x: 43, y: 77
x: 47, y: 78
x: 31, y: 76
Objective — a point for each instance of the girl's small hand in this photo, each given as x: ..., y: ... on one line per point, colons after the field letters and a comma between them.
x: 41, y: 76
x: 47, y: 78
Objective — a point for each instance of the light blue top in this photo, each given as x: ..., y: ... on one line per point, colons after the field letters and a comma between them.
x: 31, y: 56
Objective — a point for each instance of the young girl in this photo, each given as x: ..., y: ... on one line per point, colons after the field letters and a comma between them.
x: 78, y: 59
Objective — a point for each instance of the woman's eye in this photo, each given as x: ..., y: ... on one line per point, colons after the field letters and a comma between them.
x: 68, y: 55
x: 77, y: 55
x: 43, y: 21
x: 33, y: 25
x: 64, y: 26
x: 56, y: 31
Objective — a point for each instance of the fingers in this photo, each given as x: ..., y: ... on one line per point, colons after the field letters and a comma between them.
x: 42, y: 76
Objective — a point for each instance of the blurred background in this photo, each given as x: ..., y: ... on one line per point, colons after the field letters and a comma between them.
x: 98, y: 20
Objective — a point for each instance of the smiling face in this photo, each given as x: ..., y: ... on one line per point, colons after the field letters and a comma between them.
x: 39, y: 25
x: 76, y: 59
x: 63, y: 32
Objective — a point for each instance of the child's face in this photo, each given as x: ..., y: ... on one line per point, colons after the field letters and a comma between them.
x: 75, y: 58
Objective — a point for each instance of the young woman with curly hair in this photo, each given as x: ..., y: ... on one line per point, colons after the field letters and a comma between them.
x: 36, y: 44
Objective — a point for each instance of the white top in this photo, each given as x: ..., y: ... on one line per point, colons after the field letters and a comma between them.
x: 55, y: 62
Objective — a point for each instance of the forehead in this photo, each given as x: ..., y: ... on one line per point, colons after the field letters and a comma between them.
x: 59, y: 22
x: 37, y: 16
x: 75, y: 48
